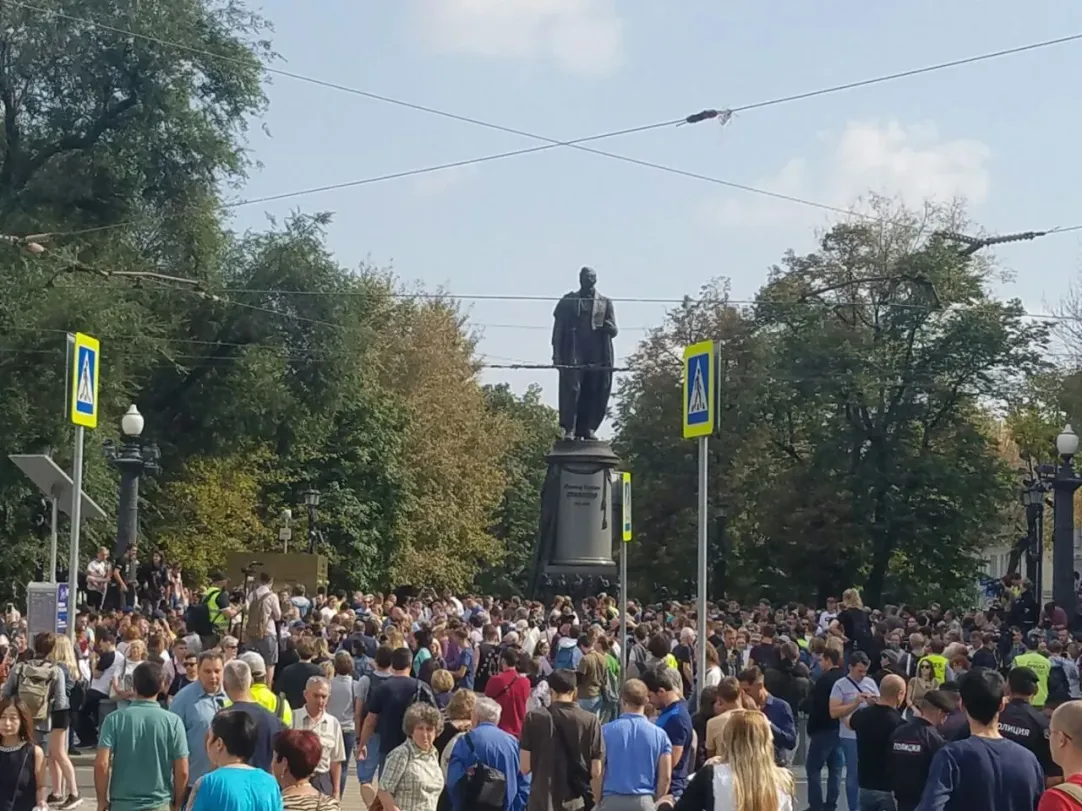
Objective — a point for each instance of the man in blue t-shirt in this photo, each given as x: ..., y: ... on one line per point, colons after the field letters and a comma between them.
x: 985, y: 770
x: 664, y: 687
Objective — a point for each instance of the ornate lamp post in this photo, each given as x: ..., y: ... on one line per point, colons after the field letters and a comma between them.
x: 1064, y: 485
x: 1033, y: 501
x: 311, y: 501
x: 132, y: 459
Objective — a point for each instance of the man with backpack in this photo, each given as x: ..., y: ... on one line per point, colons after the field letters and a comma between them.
x: 1065, y: 742
x: 261, y: 623
x: 386, y: 705
x: 560, y: 749
x: 210, y: 617
x: 39, y: 684
x: 488, y: 658
x: 483, y: 773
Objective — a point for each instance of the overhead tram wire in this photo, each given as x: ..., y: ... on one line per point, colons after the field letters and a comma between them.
x: 549, y: 143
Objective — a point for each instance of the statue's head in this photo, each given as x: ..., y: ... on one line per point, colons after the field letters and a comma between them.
x: 587, y: 279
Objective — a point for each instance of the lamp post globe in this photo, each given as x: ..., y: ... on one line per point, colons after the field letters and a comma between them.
x: 311, y: 497
x: 1067, y: 442
x: 132, y: 423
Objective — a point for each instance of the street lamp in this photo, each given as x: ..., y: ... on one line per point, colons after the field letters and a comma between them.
x: 311, y: 501
x: 1033, y: 501
x: 1064, y: 485
x: 132, y: 459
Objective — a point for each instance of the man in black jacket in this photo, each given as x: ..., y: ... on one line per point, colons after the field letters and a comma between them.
x: 913, y: 745
x: 824, y: 747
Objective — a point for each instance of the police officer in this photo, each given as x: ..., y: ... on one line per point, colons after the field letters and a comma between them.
x: 1024, y: 724
x: 912, y: 747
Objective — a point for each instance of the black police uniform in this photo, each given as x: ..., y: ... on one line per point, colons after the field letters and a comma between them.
x: 912, y: 747
x: 1024, y: 724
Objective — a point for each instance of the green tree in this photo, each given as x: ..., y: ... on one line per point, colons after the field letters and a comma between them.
x: 534, y: 427
x: 853, y: 448
x: 891, y: 339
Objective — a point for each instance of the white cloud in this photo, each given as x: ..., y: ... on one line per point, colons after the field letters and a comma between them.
x: 912, y: 163
x: 435, y: 184
x: 582, y: 36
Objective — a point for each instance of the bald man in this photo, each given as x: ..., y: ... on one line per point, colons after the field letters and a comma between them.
x: 874, y: 727
x: 1065, y: 741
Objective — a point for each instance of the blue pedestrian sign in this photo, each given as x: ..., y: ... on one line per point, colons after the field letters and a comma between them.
x: 625, y: 504
x: 83, y: 379
x: 699, y: 409
x: 62, y: 608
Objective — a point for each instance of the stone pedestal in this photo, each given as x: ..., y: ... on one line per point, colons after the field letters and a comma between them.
x: 574, y: 545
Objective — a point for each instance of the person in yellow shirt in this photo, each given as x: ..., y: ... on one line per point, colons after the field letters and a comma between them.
x: 262, y: 694
x: 1039, y: 664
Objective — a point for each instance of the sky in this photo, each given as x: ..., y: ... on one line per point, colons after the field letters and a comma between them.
x: 1002, y: 133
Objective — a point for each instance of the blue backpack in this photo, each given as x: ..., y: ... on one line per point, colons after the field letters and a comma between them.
x: 565, y: 658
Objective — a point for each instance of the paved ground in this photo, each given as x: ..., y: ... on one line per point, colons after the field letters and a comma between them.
x: 85, y: 775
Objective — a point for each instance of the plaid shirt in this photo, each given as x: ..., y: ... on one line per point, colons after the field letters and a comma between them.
x: 413, y: 778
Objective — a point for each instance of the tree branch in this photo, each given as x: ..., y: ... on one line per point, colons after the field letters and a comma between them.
x: 108, y: 120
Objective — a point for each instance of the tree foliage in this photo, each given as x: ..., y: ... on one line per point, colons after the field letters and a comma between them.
x: 268, y: 368
x: 854, y: 447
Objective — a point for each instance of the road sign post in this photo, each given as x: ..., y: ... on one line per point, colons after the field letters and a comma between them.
x: 700, y: 419
x: 625, y: 509
x: 83, y: 378
x: 54, y: 526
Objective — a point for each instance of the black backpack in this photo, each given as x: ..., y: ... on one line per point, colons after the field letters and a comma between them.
x: 488, y: 665
x: 485, y: 788
x: 197, y: 619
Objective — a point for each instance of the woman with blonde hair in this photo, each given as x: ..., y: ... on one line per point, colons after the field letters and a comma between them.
x: 853, y: 623
x: 122, y: 687
x: 747, y: 779
x: 61, y: 770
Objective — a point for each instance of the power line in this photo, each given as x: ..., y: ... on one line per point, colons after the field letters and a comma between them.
x: 954, y: 63
x: 873, y: 376
x: 549, y: 143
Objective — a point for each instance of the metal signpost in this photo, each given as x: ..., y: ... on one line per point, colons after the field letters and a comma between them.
x: 700, y: 416
x: 625, y: 534
x: 84, y: 372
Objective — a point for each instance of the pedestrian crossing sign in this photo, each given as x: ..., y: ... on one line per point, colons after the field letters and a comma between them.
x: 83, y: 378
x: 699, y: 405
x: 625, y: 505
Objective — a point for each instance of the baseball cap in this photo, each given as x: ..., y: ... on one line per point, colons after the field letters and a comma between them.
x: 255, y: 663
x: 939, y: 700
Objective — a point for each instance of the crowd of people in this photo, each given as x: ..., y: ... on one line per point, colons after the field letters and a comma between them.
x: 270, y: 699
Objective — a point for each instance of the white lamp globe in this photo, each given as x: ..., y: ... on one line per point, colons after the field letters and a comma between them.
x: 1067, y: 442
x: 132, y: 423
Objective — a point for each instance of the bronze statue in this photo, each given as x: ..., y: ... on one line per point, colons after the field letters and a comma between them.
x: 584, y: 325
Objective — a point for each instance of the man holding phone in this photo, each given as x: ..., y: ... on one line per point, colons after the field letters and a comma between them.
x: 851, y: 693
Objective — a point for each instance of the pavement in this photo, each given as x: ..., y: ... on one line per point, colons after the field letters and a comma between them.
x: 84, y: 773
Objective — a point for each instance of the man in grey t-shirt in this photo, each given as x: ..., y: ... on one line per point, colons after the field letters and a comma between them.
x: 850, y: 694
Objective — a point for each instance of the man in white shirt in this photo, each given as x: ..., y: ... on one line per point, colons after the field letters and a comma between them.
x: 313, y: 716
x: 106, y: 666
x: 98, y: 572
x: 264, y: 612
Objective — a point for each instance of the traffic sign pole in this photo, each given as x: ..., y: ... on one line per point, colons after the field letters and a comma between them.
x: 700, y: 646
x: 625, y: 505
x: 53, y: 528
x: 700, y: 420
x: 76, y: 523
x: 84, y: 375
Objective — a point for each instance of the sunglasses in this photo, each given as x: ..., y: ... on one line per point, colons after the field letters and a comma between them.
x: 191, y: 664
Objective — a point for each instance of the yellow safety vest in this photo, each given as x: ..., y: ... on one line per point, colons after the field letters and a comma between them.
x: 939, y: 666
x: 1042, y: 667
x: 217, y: 617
